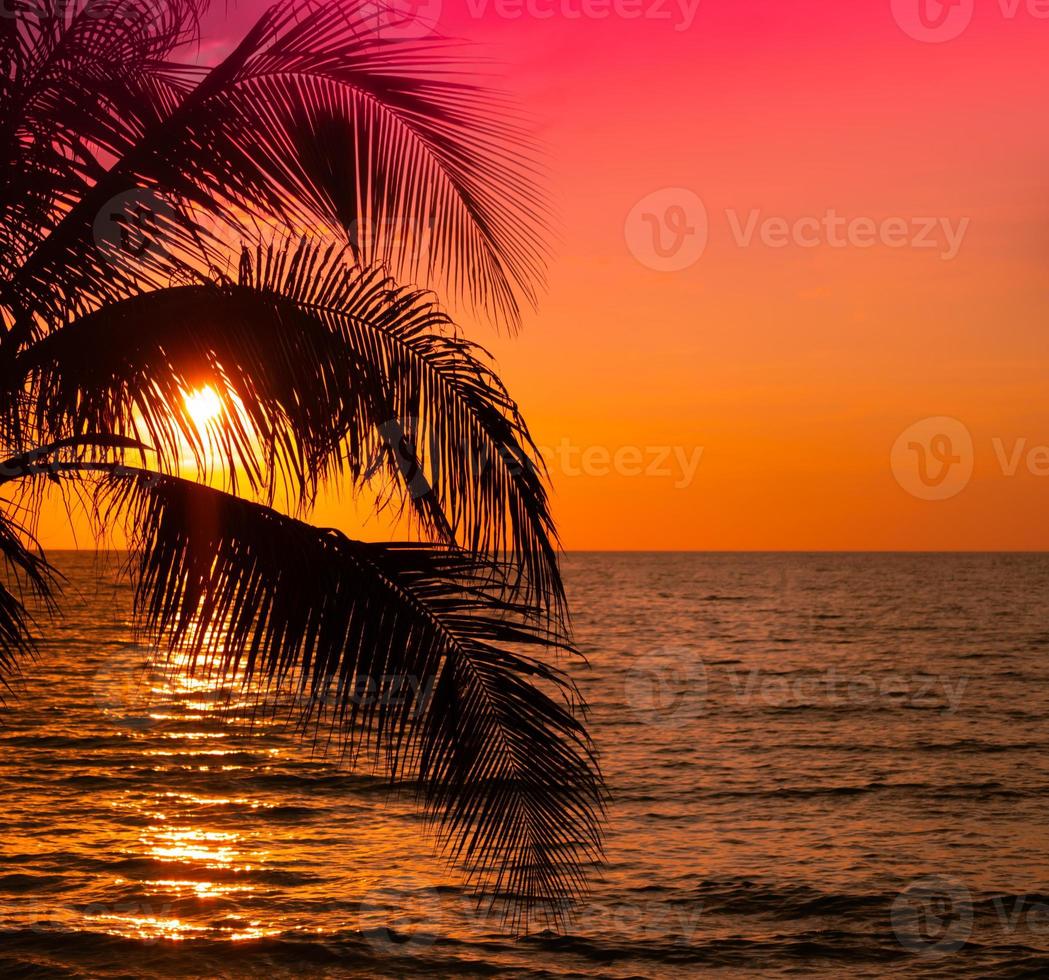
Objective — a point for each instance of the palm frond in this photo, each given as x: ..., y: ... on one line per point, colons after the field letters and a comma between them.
x: 497, y: 751
x: 287, y: 383
x: 67, y: 268
x: 27, y: 575
x: 86, y: 80
x: 317, y: 122
x: 390, y: 384
x: 387, y: 154
x: 427, y: 176
x: 452, y: 435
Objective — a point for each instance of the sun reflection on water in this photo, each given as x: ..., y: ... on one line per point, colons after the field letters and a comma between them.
x: 189, y: 817
x: 213, y: 849
x: 153, y: 927
x: 190, y: 833
x: 201, y: 889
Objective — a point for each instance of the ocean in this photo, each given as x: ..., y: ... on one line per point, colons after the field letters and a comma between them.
x: 820, y: 765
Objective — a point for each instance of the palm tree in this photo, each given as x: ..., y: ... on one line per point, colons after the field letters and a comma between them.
x: 244, y: 227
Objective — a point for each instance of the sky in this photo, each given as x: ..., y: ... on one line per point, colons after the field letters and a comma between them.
x: 799, y: 283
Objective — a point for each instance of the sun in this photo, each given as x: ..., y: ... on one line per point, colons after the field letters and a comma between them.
x: 204, y: 406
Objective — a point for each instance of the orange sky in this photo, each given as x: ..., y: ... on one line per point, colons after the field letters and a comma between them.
x: 793, y: 369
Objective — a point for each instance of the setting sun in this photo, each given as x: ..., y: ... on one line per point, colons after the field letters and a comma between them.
x: 204, y: 406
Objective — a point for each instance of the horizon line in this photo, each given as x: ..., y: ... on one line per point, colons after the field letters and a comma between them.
x: 712, y: 551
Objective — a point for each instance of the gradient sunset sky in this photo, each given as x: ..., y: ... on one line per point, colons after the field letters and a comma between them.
x: 793, y: 369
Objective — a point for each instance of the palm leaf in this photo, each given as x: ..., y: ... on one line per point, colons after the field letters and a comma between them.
x: 497, y: 753
x: 27, y: 575
x: 314, y: 120
x: 390, y: 382
x: 126, y: 369
x: 450, y: 428
x: 427, y: 176
x: 86, y: 80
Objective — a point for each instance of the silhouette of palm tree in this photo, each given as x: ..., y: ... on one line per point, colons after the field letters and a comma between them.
x: 167, y: 226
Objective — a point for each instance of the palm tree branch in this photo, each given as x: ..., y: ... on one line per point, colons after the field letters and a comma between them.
x: 28, y: 577
x: 422, y: 160
x: 127, y: 368
x: 454, y: 425
x: 86, y: 80
x: 497, y: 752
x: 391, y: 382
x: 68, y: 257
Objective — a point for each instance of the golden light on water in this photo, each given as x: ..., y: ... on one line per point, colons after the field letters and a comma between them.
x: 211, y: 849
x: 198, y: 863
x: 152, y: 927
x: 201, y: 889
x: 199, y: 855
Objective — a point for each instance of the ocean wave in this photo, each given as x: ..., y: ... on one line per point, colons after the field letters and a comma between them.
x: 22, y: 883
x: 154, y: 868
